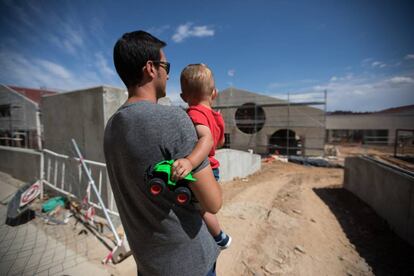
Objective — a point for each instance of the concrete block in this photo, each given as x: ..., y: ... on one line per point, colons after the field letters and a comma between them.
x: 389, y: 192
x: 22, y: 164
x: 81, y: 115
x: 236, y: 163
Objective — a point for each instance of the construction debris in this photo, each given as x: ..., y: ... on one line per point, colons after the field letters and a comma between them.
x: 300, y: 249
x: 313, y: 161
x: 54, y: 203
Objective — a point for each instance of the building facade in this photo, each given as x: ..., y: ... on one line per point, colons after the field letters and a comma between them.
x: 369, y: 128
x: 20, y: 117
x: 270, y: 125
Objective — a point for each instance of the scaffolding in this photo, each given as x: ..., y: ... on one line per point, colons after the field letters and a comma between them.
x: 404, y: 144
x: 289, y: 124
x: 19, y: 123
x: 15, y: 131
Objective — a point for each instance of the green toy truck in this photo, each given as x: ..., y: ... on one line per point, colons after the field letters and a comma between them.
x: 159, y: 182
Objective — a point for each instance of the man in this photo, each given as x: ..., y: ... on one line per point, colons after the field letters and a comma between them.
x: 165, y: 239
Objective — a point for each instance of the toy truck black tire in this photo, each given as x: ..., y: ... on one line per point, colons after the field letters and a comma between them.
x: 156, y: 186
x: 182, y: 196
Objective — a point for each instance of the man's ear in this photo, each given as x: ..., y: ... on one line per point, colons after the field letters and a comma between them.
x: 182, y: 97
x: 149, y: 69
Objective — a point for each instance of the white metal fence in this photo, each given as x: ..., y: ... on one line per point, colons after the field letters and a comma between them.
x: 64, y: 174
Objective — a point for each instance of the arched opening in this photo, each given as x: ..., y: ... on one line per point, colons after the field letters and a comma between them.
x: 284, y: 142
x: 250, y: 118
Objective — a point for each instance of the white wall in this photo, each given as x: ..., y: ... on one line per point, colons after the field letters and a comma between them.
x: 236, y: 163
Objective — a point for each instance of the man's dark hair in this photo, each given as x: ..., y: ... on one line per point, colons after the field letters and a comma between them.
x: 131, y: 53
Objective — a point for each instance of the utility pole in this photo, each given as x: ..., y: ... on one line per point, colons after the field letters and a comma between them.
x: 324, y: 119
x: 288, y: 126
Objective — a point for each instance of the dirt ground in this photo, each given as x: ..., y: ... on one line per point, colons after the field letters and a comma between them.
x: 287, y: 219
x: 291, y: 219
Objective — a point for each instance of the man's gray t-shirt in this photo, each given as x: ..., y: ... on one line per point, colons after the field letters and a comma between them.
x: 165, y: 239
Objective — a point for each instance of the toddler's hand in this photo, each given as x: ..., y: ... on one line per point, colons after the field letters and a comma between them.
x: 181, y: 168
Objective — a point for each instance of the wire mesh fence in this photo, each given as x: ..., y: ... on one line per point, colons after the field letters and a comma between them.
x: 404, y: 144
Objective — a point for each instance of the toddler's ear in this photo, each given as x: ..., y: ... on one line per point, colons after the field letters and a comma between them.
x: 214, y: 95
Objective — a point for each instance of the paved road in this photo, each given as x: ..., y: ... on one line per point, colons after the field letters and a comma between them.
x: 36, y: 248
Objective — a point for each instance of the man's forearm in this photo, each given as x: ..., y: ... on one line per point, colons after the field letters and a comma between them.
x: 207, y: 190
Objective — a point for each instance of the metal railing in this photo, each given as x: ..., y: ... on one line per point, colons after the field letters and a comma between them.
x: 64, y: 174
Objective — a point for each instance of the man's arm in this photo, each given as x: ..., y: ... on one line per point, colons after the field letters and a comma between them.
x: 184, y: 166
x: 207, y: 190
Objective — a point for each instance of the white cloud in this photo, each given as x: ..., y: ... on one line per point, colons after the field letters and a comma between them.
x: 289, y: 86
x: 275, y: 85
x: 366, y: 61
x: 158, y: 30
x: 35, y: 72
x: 401, y: 80
x: 231, y: 72
x: 103, y: 67
x: 188, y: 30
x: 409, y: 56
x: 307, y: 97
x: 378, y: 64
x: 54, y: 69
x: 30, y: 20
x: 173, y: 92
x: 69, y: 40
x: 360, y: 93
x: 23, y: 17
x: 201, y: 31
x: 348, y: 76
x: 65, y: 35
x: 73, y: 36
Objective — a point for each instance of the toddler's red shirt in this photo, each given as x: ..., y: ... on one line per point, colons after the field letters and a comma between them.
x: 202, y: 115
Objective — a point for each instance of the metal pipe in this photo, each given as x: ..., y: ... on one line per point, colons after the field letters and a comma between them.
x: 118, y: 240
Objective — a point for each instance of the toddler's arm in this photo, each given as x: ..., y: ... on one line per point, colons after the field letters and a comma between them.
x: 184, y: 166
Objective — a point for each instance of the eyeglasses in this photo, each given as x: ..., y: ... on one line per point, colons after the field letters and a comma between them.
x: 163, y: 64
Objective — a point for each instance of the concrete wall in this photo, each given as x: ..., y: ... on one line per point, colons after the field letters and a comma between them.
x: 22, y: 164
x: 389, y: 192
x: 235, y: 163
x: 81, y: 115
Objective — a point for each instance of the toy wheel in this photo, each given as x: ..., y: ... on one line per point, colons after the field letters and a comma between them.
x: 156, y: 186
x: 182, y: 196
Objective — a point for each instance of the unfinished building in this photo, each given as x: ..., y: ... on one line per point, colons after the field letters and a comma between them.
x: 369, y: 127
x: 19, y: 116
x: 264, y: 124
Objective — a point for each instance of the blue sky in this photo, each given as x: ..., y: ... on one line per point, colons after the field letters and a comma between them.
x: 362, y: 52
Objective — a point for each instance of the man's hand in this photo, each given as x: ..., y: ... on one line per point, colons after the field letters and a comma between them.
x: 181, y: 168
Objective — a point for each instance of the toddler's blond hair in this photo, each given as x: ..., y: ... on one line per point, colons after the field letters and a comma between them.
x: 197, y: 80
